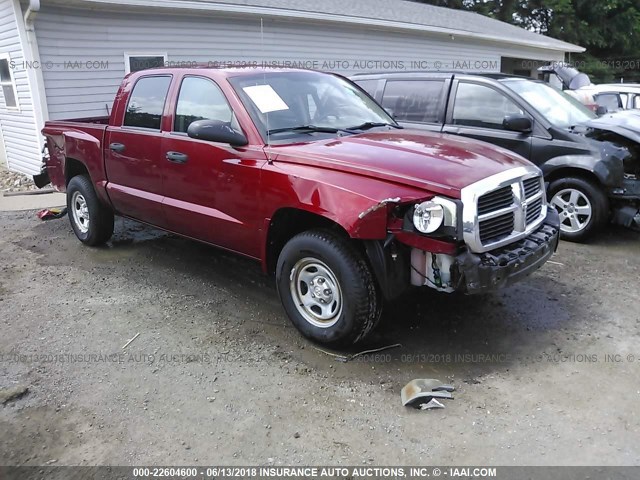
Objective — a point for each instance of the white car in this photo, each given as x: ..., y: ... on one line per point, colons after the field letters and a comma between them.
x: 613, y: 96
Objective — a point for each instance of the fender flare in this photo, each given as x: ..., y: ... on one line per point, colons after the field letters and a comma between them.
x: 609, y: 170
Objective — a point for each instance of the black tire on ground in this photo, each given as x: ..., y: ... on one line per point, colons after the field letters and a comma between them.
x: 92, y: 222
x: 325, y: 262
x: 596, y: 199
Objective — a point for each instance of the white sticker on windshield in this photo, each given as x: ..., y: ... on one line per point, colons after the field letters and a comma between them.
x: 266, y: 98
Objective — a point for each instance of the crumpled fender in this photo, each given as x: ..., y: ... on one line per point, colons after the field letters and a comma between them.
x: 625, y: 123
x: 609, y: 168
x: 359, y: 205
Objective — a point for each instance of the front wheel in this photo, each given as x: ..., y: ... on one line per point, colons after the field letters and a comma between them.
x: 92, y: 222
x: 582, y: 206
x: 327, y: 288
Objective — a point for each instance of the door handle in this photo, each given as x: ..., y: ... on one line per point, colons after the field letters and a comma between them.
x: 116, y: 147
x: 177, y: 157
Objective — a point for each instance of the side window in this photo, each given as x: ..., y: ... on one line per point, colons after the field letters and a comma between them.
x: 413, y: 100
x: 636, y: 101
x: 201, y: 99
x: 146, y: 102
x: 8, y: 83
x: 624, y: 100
x: 609, y: 100
x: 368, y: 86
x: 482, y: 106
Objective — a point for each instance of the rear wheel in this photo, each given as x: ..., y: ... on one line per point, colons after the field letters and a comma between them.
x: 582, y: 206
x: 91, y: 221
x: 327, y: 288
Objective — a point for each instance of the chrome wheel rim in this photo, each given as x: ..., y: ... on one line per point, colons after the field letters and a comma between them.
x: 316, y: 292
x: 574, y: 208
x: 80, y: 212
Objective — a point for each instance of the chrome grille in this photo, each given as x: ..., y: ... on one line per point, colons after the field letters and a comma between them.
x: 496, y: 200
x: 503, y: 208
x: 499, y: 225
x: 496, y: 228
x: 534, y: 209
x: 531, y: 186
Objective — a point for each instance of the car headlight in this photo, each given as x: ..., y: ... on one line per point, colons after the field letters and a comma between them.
x: 428, y: 216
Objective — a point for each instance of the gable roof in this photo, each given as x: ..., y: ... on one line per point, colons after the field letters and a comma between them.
x: 395, y: 14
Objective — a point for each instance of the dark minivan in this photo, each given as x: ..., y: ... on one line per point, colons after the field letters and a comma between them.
x: 591, y: 166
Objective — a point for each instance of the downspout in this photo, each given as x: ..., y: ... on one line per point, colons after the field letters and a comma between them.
x: 30, y: 15
x: 34, y: 69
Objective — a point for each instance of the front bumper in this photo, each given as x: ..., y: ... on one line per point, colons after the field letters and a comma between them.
x: 485, y: 272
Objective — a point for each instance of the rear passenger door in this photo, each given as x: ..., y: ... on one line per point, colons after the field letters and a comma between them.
x: 416, y: 103
x: 133, y: 160
x: 477, y: 111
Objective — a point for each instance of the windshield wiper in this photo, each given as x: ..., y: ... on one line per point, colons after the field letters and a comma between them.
x: 368, y: 125
x: 304, y: 128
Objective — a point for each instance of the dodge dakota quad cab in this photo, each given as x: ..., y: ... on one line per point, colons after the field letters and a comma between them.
x: 306, y: 173
x: 591, y: 165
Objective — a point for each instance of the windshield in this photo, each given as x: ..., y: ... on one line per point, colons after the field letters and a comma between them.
x: 560, y: 109
x: 300, y: 104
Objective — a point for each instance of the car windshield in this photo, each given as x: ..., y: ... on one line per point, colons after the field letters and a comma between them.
x: 297, y: 105
x: 560, y: 109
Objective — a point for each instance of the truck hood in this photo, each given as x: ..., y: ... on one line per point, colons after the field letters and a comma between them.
x: 437, y: 162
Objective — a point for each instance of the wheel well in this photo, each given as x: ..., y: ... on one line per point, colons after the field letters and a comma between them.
x: 74, y: 167
x: 289, y: 222
x: 566, y: 172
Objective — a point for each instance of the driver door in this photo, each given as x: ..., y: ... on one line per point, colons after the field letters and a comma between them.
x: 478, y: 111
x: 211, y: 189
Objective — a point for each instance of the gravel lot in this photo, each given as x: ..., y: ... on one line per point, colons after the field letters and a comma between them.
x: 219, y: 376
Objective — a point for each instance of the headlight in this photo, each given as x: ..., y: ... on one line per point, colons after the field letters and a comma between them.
x: 428, y: 216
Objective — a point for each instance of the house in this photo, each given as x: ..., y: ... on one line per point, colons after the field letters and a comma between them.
x: 65, y: 58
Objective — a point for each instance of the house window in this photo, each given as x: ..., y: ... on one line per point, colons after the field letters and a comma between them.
x: 134, y: 62
x: 7, y: 82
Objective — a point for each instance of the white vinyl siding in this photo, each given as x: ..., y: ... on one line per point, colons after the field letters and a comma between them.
x: 69, y: 38
x: 17, y: 125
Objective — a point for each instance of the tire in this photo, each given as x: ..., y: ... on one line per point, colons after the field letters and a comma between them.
x: 91, y: 221
x: 308, y: 264
x: 571, y: 196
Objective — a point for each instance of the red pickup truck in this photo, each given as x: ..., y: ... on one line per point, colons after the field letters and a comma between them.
x: 306, y: 173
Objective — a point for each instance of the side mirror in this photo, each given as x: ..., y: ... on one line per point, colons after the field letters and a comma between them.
x: 517, y: 123
x: 601, y: 110
x: 216, y: 131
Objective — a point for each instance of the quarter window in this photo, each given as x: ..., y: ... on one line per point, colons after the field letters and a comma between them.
x: 146, y: 103
x: 413, y: 100
x: 201, y: 99
x: 480, y: 106
x: 7, y: 82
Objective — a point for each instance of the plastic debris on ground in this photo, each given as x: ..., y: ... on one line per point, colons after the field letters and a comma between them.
x: 423, y: 393
x: 52, y: 213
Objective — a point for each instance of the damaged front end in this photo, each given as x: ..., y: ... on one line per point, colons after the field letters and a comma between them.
x: 498, y: 232
x: 619, y: 138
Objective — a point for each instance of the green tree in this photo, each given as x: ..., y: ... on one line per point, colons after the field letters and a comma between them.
x: 608, y: 29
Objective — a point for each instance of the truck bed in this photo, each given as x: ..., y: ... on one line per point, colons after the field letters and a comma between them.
x: 80, y: 138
